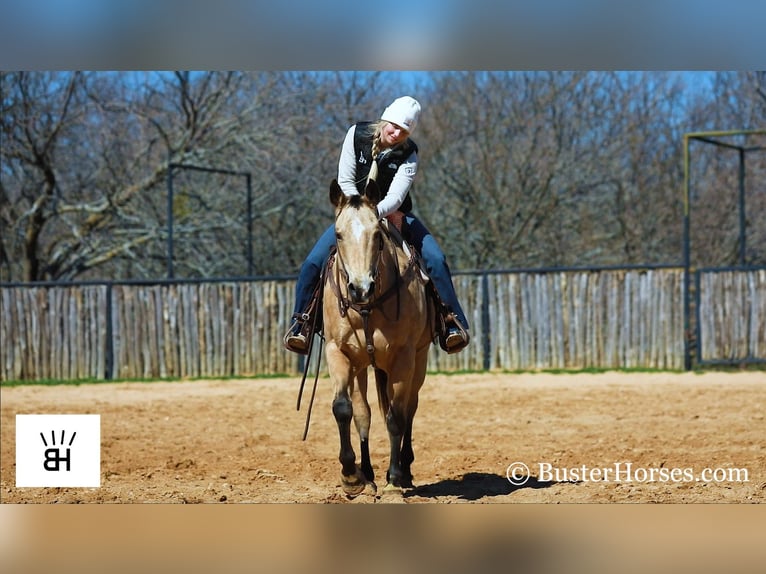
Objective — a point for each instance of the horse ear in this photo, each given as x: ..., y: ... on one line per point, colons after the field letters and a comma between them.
x: 372, y: 192
x: 335, y: 193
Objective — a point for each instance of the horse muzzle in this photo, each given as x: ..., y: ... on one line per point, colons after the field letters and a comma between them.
x: 361, y: 292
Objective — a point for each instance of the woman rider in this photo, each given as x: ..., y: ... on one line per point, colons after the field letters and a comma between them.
x: 394, y: 167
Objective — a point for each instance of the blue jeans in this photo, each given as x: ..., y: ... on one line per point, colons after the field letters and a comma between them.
x: 420, y: 238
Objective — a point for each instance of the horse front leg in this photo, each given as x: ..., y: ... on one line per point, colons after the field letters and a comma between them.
x: 343, y: 413
x: 352, y: 480
x: 362, y: 421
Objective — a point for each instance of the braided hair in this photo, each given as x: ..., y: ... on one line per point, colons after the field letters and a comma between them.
x: 375, y: 129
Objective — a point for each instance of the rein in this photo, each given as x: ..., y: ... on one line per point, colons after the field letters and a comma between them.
x: 309, y: 354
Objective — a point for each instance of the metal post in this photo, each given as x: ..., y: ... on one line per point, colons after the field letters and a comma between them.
x: 742, y: 219
x: 485, y: 319
x: 250, y: 269
x: 687, y: 260
x: 109, y: 335
x: 250, y: 265
x: 170, y: 221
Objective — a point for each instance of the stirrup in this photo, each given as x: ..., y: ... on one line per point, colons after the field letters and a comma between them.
x: 453, y: 337
x: 297, y: 337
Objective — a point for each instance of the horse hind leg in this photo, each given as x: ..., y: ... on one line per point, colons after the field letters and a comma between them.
x: 393, y: 492
x: 399, y: 473
x: 395, y: 427
x: 407, y: 453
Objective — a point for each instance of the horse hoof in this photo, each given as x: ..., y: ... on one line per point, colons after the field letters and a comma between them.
x: 392, y: 493
x: 353, y: 490
x: 371, y: 488
x: 353, y: 485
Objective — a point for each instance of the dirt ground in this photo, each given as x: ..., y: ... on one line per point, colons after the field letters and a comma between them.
x: 478, y: 438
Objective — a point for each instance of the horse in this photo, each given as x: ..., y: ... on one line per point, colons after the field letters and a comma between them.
x: 376, y: 312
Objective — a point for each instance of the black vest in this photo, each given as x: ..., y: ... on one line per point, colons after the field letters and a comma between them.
x: 386, y: 168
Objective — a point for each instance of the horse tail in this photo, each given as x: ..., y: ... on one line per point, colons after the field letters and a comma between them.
x: 381, y: 385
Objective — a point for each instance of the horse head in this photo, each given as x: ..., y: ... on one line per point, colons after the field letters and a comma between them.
x: 359, y: 240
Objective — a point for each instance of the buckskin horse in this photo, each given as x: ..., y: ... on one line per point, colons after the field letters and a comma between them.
x: 376, y: 313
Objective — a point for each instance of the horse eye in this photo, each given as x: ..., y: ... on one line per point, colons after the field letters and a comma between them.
x: 338, y: 236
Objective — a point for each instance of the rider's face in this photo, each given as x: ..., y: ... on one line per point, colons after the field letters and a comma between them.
x: 392, y: 134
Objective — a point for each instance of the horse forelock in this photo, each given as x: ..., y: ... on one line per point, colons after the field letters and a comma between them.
x: 355, y: 203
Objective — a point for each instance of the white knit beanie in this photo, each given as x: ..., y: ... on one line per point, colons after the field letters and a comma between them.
x: 403, y: 112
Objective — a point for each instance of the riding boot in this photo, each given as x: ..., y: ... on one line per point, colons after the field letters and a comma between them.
x: 453, y: 336
x: 297, y: 337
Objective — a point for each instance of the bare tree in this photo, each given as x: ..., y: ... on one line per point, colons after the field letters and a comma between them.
x: 86, y: 163
x: 489, y: 165
x: 554, y: 168
x: 517, y: 168
x: 735, y: 102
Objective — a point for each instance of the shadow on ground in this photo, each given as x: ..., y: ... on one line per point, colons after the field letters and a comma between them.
x: 474, y: 486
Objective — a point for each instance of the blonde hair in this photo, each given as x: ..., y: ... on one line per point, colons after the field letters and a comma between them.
x: 374, y: 129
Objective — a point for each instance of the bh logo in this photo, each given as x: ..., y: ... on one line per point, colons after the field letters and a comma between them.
x: 58, y: 450
x: 53, y: 455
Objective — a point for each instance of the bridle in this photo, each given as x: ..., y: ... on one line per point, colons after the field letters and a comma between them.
x: 333, y: 275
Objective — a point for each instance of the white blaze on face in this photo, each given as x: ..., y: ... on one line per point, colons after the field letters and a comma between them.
x: 357, y: 268
x: 357, y: 228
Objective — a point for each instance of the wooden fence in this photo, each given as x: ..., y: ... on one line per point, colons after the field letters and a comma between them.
x: 731, y: 306
x: 519, y: 320
x: 571, y: 320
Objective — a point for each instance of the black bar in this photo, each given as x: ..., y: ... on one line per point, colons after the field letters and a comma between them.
x: 109, y: 334
x: 572, y: 268
x: 160, y: 281
x: 698, y: 325
x: 293, y: 277
x: 724, y: 269
x: 485, y: 320
x: 742, y: 220
x: 687, y: 264
x: 207, y: 169
x: 170, y: 222
x: 716, y: 142
x: 250, y: 267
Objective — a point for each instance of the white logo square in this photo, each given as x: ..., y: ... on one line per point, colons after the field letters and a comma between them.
x: 58, y: 450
